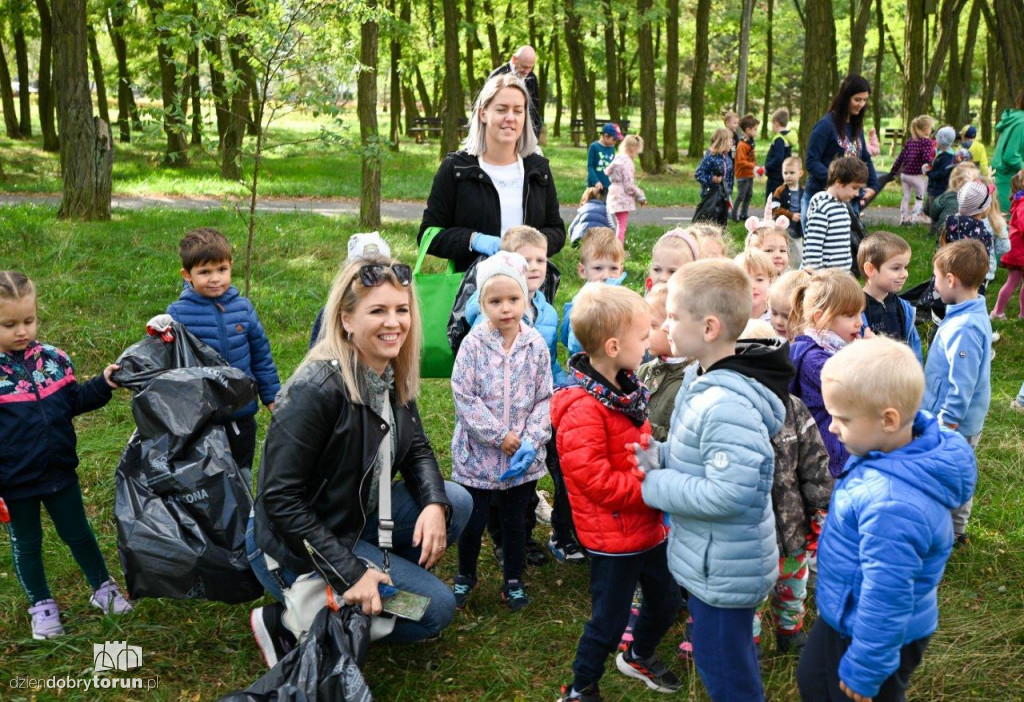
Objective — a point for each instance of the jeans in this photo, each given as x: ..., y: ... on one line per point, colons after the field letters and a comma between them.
x: 724, y: 651
x: 613, y: 579
x: 817, y: 673
x: 405, y: 573
x: 512, y: 507
x: 963, y: 513
x: 26, y: 531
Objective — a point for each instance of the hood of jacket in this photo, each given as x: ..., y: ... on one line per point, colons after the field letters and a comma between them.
x: 938, y: 462
x: 764, y: 360
x: 743, y: 378
x: 1011, y: 118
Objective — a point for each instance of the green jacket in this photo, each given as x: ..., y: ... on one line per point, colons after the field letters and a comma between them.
x: 1008, y: 158
x: 941, y: 207
x: 663, y: 380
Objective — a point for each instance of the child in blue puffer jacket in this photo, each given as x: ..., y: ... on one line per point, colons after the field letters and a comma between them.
x: 888, y: 533
x: 211, y: 308
x: 592, y: 213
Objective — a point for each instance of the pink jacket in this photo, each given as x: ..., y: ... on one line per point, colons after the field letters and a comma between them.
x: 497, y: 392
x: 623, y: 195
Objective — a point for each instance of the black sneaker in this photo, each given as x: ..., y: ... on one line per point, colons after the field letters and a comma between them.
x: 535, y: 555
x: 568, y: 552
x: 790, y: 642
x: 461, y: 588
x: 652, y: 671
x: 961, y: 541
x: 591, y: 693
x: 514, y: 595
x: 272, y: 638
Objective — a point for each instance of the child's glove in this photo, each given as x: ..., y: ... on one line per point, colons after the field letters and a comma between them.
x: 646, y: 455
x: 616, y: 281
x: 160, y: 325
x: 485, y: 244
x: 521, y: 461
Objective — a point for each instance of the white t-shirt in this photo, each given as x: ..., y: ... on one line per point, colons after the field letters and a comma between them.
x: 508, y: 181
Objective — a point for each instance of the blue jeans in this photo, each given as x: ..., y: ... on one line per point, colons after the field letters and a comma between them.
x: 405, y: 573
x: 724, y: 651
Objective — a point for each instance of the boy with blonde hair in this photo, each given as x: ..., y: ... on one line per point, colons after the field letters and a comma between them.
x: 959, y: 366
x: 593, y: 422
x: 786, y: 199
x: 758, y: 265
x: 713, y: 475
x: 884, y: 261
x: 663, y: 374
x: 888, y: 533
x: 602, y: 256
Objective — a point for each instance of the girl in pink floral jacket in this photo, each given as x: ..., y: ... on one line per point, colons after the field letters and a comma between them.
x: 502, y: 389
x: 623, y: 193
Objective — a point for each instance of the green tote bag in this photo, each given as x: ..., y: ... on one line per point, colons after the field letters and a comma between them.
x: 435, y: 293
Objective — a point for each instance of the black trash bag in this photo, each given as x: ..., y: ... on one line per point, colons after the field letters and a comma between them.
x: 714, y: 206
x: 181, y: 503
x: 458, y: 325
x: 325, y: 667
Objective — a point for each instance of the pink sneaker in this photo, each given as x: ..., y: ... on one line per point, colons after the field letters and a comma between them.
x: 45, y: 620
x: 110, y: 600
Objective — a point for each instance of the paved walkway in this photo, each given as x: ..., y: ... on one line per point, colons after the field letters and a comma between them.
x: 397, y: 210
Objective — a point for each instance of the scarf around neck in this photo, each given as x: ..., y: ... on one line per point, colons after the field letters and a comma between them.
x: 631, y: 400
x: 826, y: 339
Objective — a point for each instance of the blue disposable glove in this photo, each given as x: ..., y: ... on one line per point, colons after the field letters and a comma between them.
x: 616, y: 281
x: 486, y: 244
x: 521, y: 461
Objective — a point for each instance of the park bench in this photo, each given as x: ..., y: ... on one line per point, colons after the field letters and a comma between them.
x: 576, y: 128
x: 895, y: 137
x: 424, y: 128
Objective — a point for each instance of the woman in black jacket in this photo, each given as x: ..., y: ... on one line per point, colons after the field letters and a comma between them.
x: 497, y: 181
x: 347, y: 410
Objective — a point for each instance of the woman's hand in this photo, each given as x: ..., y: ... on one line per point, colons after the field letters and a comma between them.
x: 365, y: 593
x: 868, y: 194
x: 431, y: 535
x: 510, y: 444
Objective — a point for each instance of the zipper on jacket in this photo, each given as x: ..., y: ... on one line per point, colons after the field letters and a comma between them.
x: 223, y: 329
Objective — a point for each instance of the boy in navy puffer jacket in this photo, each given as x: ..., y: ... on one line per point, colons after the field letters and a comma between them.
x: 211, y: 308
x: 888, y: 533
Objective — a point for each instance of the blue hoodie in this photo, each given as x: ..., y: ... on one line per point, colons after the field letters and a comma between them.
x: 958, y: 386
x: 229, y: 324
x: 885, y: 545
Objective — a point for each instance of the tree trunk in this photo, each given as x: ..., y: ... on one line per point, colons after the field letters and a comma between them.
x: 819, y: 66
x: 221, y: 102
x: 1011, y: 29
x: 240, y: 115
x: 97, y: 73
x: 859, y: 35
x: 623, y: 69
x: 421, y: 88
x: 492, y: 35
x: 7, y: 98
x: 700, y: 78
x: 958, y: 72
x: 395, y: 79
x: 369, y: 192
x: 471, y: 43
x: 127, y: 110
x: 611, y: 63
x: 578, y: 60
x: 174, y: 126
x: 670, y: 137
x: 650, y: 158
x: 988, y: 90
x: 876, y: 103
x: 453, y: 100
x: 45, y: 95
x: 914, y: 58
x: 193, y: 80
x: 24, y: 97
x: 557, y: 132
x: 770, y: 41
x: 744, y: 57
x: 84, y: 166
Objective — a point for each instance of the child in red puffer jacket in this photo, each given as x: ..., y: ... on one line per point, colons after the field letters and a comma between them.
x: 595, y: 423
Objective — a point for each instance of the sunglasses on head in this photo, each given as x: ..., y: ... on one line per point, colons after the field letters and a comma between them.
x: 373, y: 274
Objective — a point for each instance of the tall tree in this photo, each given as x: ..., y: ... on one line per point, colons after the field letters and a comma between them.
x: 557, y: 132
x: 819, y: 65
x: 611, y: 63
x: 860, y: 17
x: 876, y: 103
x: 127, y: 110
x: 221, y: 101
x: 959, y: 69
x: 7, y: 98
x: 988, y: 95
x: 492, y: 35
x: 45, y: 85
x: 21, y: 59
x: 369, y: 192
x: 744, y: 57
x: 241, y: 112
x: 700, y: 78
x: 923, y: 68
x: 669, y: 135
x: 578, y: 61
x: 472, y: 42
x: 85, y: 173
x: 192, y: 84
x: 97, y: 75
x: 453, y: 100
x: 768, y: 62
x: 650, y: 159
x: 176, y: 153
x: 395, y: 76
x: 1011, y: 29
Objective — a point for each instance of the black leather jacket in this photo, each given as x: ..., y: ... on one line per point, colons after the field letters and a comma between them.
x: 317, y: 466
x: 463, y: 200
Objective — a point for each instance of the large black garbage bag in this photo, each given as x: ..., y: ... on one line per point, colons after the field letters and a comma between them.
x: 323, y: 668
x: 714, y: 206
x: 181, y: 504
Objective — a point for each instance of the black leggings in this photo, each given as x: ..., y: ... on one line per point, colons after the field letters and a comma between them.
x: 512, y: 506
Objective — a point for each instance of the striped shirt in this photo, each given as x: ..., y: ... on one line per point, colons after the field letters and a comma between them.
x: 827, y: 233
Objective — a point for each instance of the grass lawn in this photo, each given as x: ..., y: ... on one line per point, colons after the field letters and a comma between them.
x: 99, y: 283
x: 317, y: 170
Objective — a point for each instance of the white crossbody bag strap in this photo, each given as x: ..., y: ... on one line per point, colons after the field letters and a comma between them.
x: 385, y: 524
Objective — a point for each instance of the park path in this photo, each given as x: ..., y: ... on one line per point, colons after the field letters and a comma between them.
x: 397, y: 210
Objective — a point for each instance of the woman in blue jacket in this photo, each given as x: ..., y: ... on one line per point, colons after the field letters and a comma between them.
x: 839, y: 133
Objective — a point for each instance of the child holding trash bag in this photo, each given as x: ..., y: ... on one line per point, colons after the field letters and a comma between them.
x: 39, y: 397
x: 501, y: 383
